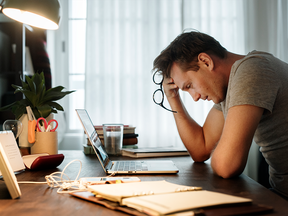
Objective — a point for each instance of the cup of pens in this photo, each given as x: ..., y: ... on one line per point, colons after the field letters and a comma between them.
x: 45, y: 137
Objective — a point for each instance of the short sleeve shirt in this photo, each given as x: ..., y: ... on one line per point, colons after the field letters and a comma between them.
x: 261, y: 80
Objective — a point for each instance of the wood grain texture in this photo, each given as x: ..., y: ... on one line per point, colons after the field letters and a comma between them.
x: 39, y: 199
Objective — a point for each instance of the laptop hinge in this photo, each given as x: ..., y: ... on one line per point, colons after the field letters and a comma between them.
x: 108, y: 164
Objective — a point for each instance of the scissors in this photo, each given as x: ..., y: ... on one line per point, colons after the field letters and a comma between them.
x: 47, y: 126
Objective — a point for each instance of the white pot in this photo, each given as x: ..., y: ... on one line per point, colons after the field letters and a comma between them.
x: 23, y: 138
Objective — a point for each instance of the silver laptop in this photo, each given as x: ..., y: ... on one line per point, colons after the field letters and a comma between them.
x: 121, y: 167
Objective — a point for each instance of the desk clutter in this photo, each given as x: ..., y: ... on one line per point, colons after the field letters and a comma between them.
x: 31, y: 161
x: 165, y: 198
x: 130, y: 138
x: 11, y: 161
x: 39, y: 135
x: 131, y: 195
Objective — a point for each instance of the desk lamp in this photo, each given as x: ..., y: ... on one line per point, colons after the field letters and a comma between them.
x: 39, y: 13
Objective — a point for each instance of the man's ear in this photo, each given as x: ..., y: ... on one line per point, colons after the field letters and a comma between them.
x: 206, y: 60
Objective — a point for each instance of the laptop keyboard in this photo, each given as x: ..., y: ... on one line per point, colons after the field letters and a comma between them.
x: 131, y: 166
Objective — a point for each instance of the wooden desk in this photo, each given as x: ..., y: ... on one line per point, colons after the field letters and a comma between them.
x: 39, y: 199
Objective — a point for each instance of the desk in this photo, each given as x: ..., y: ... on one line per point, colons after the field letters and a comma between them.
x: 39, y: 199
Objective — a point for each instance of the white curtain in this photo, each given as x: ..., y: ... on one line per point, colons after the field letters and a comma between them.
x: 266, y: 24
x: 265, y: 27
x: 125, y: 36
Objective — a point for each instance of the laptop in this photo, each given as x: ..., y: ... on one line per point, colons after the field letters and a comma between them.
x: 125, y: 166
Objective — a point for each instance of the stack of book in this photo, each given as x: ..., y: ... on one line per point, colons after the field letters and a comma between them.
x: 130, y: 138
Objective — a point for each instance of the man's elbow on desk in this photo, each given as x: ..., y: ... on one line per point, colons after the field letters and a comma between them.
x: 199, y: 158
x: 226, y: 170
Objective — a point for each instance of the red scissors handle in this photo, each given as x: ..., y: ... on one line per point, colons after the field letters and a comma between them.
x: 46, y: 124
x: 53, y: 120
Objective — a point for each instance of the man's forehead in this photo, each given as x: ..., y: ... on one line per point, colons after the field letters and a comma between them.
x: 179, y: 76
x: 175, y: 69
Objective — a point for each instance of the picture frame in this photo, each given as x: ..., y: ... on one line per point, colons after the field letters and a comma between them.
x: 8, y: 175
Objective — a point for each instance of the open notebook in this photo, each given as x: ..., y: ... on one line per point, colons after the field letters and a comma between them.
x: 121, y: 167
x: 162, y: 197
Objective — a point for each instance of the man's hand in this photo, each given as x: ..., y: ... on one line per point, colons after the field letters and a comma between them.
x: 170, y: 88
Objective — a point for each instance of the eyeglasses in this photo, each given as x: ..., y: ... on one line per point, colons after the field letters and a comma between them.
x: 158, y: 95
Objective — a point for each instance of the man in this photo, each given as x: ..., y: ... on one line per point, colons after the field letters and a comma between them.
x: 251, y: 100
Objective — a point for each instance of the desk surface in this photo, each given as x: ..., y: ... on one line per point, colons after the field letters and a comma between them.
x: 39, y: 199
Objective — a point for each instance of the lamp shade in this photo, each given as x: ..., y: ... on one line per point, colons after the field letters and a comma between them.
x: 39, y: 13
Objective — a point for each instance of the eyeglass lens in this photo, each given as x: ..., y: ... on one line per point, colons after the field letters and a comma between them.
x: 158, y: 96
x: 157, y: 78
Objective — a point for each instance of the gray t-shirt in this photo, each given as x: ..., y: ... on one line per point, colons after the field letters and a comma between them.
x: 261, y: 80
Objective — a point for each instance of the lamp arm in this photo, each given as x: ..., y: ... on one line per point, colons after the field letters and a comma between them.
x: 1, y: 4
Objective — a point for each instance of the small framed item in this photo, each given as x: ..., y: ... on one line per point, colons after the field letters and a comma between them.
x: 8, y: 175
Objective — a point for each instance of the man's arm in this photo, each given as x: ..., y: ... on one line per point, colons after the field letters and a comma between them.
x: 199, y: 141
x: 235, y: 137
x: 230, y: 156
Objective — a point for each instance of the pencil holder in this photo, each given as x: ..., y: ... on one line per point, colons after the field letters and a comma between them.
x: 46, y: 142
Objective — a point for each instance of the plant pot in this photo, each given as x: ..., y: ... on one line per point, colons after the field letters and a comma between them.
x: 46, y: 142
x: 23, y: 138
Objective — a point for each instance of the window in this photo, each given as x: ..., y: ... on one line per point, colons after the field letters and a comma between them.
x: 105, y: 50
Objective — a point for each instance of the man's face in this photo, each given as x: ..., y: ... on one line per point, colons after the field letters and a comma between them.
x: 202, y: 84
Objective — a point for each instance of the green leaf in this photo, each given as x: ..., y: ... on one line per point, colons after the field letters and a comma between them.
x: 19, y: 108
x: 31, y: 84
x: 8, y: 107
x: 56, y: 106
x: 41, y: 101
x: 55, y: 94
x: 44, y: 110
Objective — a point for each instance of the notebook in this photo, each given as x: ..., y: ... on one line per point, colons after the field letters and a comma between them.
x: 165, y: 198
x: 162, y: 197
x: 121, y: 167
x: 7, y: 143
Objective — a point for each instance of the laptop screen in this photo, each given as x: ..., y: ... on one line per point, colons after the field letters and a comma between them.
x: 92, y: 134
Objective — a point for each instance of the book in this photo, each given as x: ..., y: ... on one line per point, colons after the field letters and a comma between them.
x: 129, y: 135
x: 11, y: 150
x: 88, y: 149
x: 162, y: 197
x: 130, y: 141
x: 118, y: 192
x: 8, y: 174
x: 127, y: 129
x: 133, y: 135
x: 233, y: 209
x: 154, y: 152
x: 130, y: 146
x: 163, y: 204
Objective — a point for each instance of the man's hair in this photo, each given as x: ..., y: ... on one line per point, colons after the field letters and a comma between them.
x: 185, y: 49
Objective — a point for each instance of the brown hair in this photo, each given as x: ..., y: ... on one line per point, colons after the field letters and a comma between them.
x: 185, y: 50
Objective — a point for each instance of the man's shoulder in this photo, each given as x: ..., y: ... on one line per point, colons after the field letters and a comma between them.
x: 254, y: 59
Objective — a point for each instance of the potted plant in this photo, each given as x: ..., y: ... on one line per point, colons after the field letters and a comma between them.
x: 41, y: 101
